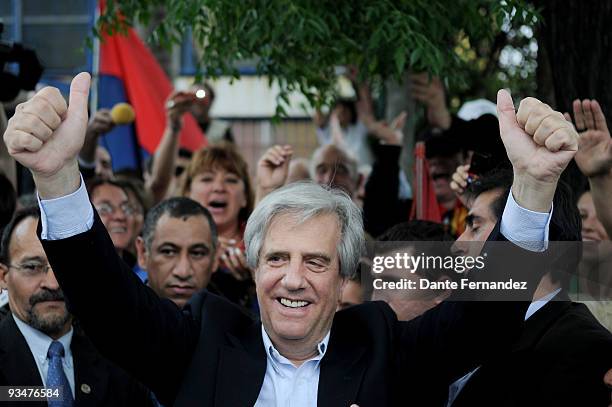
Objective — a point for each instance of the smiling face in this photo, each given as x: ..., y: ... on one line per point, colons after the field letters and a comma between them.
x: 593, y: 232
x: 222, y: 193
x: 112, y: 203
x: 34, y: 298
x: 298, y: 279
x: 181, y: 257
x: 592, y: 229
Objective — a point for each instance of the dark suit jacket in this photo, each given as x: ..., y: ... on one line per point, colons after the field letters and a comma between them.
x: 211, y: 353
x: 560, y: 360
x: 104, y: 383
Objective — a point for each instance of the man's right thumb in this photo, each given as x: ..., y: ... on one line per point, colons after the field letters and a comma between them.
x: 505, y: 112
x: 79, y: 94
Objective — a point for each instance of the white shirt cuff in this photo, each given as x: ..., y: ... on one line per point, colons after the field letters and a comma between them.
x: 525, y: 228
x: 66, y: 216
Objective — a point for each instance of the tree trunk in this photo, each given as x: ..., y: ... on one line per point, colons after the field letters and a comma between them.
x: 576, y: 41
x: 577, y: 38
x: 399, y: 99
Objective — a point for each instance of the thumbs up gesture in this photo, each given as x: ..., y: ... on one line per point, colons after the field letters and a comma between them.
x: 46, y: 136
x: 540, y: 143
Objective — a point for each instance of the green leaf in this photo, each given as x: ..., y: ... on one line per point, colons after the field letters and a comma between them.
x: 400, y: 61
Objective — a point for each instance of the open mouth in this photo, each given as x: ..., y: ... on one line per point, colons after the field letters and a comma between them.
x: 118, y: 230
x: 217, y: 204
x: 286, y: 302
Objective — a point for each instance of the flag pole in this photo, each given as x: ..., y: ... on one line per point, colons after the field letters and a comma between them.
x: 95, y: 68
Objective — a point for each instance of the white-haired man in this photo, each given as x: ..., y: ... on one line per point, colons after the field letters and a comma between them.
x: 303, y: 242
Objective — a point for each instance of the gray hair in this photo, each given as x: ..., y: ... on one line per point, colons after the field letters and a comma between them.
x: 307, y: 200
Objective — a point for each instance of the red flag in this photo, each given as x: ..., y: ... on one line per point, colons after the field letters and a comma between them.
x: 146, y: 87
x: 425, y: 205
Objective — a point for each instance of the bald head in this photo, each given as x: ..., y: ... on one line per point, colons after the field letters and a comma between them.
x: 332, y: 165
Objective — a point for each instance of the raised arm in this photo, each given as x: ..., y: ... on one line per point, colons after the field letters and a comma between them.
x: 127, y: 322
x: 99, y: 124
x: 594, y: 157
x: 460, y: 335
x: 382, y: 207
x: 164, y: 159
x: 365, y: 105
x: 430, y: 92
x: 272, y: 170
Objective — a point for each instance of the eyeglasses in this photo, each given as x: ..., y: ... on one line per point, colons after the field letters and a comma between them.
x: 106, y: 209
x: 33, y: 269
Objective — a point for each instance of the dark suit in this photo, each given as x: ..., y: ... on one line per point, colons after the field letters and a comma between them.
x: 211, y: 353
x: 97, y: 381
x: 560, y: 360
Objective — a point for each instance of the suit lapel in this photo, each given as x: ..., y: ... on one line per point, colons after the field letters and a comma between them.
x: 90, y: 381
x: 242, y: 368
x: 342, y: 370
x: 17, y: 363
x: 539, y: 323
x: 483, y: 385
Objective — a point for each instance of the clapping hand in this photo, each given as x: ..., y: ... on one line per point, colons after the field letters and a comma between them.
x: 234, y: 259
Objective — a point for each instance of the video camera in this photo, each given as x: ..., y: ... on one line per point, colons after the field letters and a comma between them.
x: 29, y: 72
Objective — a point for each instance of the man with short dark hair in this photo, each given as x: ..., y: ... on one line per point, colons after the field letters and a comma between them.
x: 564, y: 351
x: 38, y: 343
x: 178, y: 249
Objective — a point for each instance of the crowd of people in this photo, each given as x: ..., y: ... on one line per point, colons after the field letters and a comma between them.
x: 196, y: 284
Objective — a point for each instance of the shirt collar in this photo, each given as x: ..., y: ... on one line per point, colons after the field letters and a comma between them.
x: 537, y: 304
x: 39, y: 342
x: 274, y: 355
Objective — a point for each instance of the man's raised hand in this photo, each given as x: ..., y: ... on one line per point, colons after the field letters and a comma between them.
x: 540, y: 143
x: 272, y: 170
x: 45, y: 136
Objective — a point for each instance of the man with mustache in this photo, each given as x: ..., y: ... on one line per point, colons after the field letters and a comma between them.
x: 38, y: 344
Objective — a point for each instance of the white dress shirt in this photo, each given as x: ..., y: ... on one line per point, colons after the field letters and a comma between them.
x: 39, y: 344
x: 284, y: 384
x: 287, y: 385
